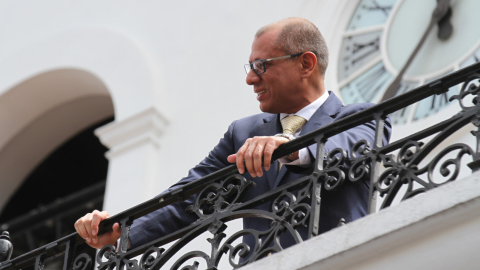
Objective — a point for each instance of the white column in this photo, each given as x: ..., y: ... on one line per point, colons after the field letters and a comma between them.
x: 134, y: 145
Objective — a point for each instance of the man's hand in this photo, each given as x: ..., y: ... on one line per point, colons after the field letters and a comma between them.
x: 87, y: 228
x: 254, y: 150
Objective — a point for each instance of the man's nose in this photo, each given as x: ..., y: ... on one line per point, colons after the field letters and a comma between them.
x: 252, y: 77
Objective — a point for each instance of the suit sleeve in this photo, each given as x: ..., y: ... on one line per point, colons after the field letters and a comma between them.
x: 173, y: 217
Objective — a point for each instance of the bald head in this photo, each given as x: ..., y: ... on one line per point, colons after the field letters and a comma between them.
x: 298, y: 35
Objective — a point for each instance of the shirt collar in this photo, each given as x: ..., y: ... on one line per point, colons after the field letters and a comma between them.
x: 310, y: 109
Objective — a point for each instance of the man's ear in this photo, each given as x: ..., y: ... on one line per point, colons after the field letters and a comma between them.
x: 309, y: 64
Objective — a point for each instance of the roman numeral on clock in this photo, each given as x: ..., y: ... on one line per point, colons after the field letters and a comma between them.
x: 367, y: 49
x: 357, y: 51
x: 372, y: 82
x: 377, y: 7
x: 433, y: 104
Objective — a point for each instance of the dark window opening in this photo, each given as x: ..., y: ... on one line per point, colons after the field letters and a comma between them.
x: 67, y: 184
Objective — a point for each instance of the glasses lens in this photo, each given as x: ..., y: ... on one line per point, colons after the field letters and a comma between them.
x: 258, y: 67
x: 247, y: 68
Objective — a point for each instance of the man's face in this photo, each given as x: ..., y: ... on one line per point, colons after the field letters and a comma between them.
x: 278, y: 88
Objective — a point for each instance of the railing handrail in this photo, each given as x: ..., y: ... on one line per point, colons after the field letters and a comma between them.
x: 383, y: 108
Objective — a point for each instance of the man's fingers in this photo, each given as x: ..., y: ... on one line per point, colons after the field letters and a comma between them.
x: 87, y: 228
x: 116, y: 228
x: 257, y: 157
x: 96, y: 218
x: 80, y: 228
x: 87, y: 221
x: 240, y: 156
x: 83, y: 229
x: 116, y: 232
x: 249, y: 157
x: 232, y: 158
x: 272, y: 144
x: 267, y: 153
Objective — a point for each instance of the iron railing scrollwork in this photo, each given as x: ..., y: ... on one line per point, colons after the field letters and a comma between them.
x: 397, y: 171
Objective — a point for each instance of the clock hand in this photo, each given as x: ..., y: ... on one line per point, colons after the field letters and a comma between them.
x: 440, y: 11
x: 445, y: 27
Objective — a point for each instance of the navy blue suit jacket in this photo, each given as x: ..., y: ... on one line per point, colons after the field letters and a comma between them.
x: 349, y: 202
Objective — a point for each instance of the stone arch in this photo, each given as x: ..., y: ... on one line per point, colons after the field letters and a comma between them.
x: 61, y: 85
x: 41, y: 113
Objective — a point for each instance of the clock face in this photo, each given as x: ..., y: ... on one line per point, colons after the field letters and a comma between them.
x: 381, y: 36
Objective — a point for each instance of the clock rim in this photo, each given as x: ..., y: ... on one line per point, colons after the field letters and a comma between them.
x: 334, y: 38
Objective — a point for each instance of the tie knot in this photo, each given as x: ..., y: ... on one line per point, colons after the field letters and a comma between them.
x: 292, y: 123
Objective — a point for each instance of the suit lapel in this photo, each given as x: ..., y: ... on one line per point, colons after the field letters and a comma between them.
x: 270, y: 127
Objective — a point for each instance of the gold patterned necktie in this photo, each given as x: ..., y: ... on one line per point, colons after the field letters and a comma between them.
x: 290, y: 125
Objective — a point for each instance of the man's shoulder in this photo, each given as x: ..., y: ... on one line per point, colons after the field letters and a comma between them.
x: 350, y: 109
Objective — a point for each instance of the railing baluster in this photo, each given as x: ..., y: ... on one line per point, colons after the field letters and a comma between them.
x: 125, y: 223
x: 376, y: 163
x: 316, y: 199
x: 476, y: 157
x: 320, y: 140
x: 39, y: 262
x: 475, y: 164
x: 68, y: 256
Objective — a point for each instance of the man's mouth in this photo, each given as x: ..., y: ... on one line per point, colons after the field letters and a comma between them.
x: 261, y: 92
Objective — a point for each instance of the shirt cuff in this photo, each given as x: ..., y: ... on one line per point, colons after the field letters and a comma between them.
x: 303, y: 159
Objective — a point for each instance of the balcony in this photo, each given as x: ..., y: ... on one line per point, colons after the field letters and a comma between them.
x: 416, y: 207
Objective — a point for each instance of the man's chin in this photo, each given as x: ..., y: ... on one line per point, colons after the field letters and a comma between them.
x: 265, y: 109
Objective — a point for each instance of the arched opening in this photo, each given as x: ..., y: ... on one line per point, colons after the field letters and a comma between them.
x: 49, y: 156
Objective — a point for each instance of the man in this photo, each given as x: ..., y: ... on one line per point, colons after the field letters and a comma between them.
x: 287, y: 68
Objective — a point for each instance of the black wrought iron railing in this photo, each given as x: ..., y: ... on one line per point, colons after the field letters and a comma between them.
x: 397, y: 171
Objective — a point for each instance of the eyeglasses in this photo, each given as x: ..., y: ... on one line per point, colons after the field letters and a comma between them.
x: 258, y: 66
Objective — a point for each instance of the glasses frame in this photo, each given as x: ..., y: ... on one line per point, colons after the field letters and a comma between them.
x: 249, y: 66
